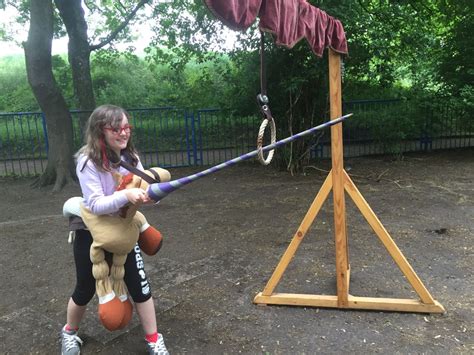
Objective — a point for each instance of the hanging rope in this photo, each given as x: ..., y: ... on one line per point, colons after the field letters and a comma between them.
x: 263, y: 101
x: 261, y: 132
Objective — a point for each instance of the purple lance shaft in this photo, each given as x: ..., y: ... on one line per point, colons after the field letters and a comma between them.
x: 160, y: 190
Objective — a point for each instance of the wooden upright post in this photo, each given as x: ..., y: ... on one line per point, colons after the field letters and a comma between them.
x: 337, y: 155
x: 339, y: 181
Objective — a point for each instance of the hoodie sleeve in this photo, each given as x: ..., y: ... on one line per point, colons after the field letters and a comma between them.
x: 98, y: 189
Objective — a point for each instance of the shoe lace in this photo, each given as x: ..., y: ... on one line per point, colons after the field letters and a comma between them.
x: 71, y: 341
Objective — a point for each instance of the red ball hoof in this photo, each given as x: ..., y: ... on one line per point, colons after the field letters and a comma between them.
x: 111, y: 314
x: 128, y: 312
x: 150, y: 241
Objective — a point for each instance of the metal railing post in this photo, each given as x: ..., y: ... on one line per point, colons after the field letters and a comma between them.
x: 45, y: 131
x: 194, y: 138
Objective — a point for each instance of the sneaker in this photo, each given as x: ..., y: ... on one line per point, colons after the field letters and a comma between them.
x: 157, y: 348
x: 70, y: 342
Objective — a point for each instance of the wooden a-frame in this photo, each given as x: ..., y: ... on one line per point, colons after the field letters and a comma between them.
x: 339, y: 181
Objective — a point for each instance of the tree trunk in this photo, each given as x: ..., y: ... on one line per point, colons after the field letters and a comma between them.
x: 60, y: 168
x: 72, y: 14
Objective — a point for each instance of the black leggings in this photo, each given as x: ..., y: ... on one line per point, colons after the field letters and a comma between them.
x: 135, y: 277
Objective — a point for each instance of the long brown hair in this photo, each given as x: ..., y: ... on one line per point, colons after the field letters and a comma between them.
x: 96, y: 148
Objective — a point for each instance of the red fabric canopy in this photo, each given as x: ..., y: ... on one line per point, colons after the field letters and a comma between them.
x: 288, y: 20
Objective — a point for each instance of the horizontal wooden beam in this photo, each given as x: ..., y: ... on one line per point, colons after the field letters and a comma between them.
x: 367, y: 303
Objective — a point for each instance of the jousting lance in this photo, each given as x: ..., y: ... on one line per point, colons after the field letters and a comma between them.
x: 160, y: 190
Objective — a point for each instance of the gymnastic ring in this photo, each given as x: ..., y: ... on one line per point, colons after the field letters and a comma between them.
x: 261, y: 132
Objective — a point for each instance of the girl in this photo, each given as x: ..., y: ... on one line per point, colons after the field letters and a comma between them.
x: 108, y: 140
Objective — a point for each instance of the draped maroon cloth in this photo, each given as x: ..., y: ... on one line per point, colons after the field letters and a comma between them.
x: 288, y: 20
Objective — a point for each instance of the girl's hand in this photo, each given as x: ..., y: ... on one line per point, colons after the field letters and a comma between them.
x: 136, y: 196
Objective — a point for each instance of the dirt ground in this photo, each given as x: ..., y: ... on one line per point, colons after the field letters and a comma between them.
x: 224, y: 236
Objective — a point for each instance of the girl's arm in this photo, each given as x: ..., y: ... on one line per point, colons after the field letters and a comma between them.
x: 98, y: 189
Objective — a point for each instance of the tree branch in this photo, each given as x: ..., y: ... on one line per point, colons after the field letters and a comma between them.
x: 427, y: 8
x: 121, y: 7
x: 124, y: 24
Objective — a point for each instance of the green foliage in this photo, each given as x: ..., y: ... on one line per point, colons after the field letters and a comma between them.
x: 390, y: 127
x: 167, y: 132
x: 63, y: 75
x: 456, y: 65
x: 129, y: 81
x: 15, y: 91
x: 197, y: 85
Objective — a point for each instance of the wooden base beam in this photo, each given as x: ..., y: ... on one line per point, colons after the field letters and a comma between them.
x: 353, y: 302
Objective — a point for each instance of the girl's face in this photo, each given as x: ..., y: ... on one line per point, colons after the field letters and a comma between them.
x: 117, y: 137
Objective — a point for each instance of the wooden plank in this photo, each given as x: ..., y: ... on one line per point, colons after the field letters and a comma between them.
x: 387, y: 240
x: 394, y: 304
x: 342, y: 258
x: 308, y: 220
x: 366, y: 303
x: 293, y: 299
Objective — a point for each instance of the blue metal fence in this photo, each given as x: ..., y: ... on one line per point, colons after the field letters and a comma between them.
x: 398, y: 126
x: 171, y: 137
x: 23, y: 143
x: 164, y: 135
x: 222, y: 135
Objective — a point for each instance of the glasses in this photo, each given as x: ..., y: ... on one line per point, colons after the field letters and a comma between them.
x: 118, y: 131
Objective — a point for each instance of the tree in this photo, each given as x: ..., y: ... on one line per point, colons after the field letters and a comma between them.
x: 456, y: 67
x: 79, y: 46
x: 72, y: 15
x: 60, y: 167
